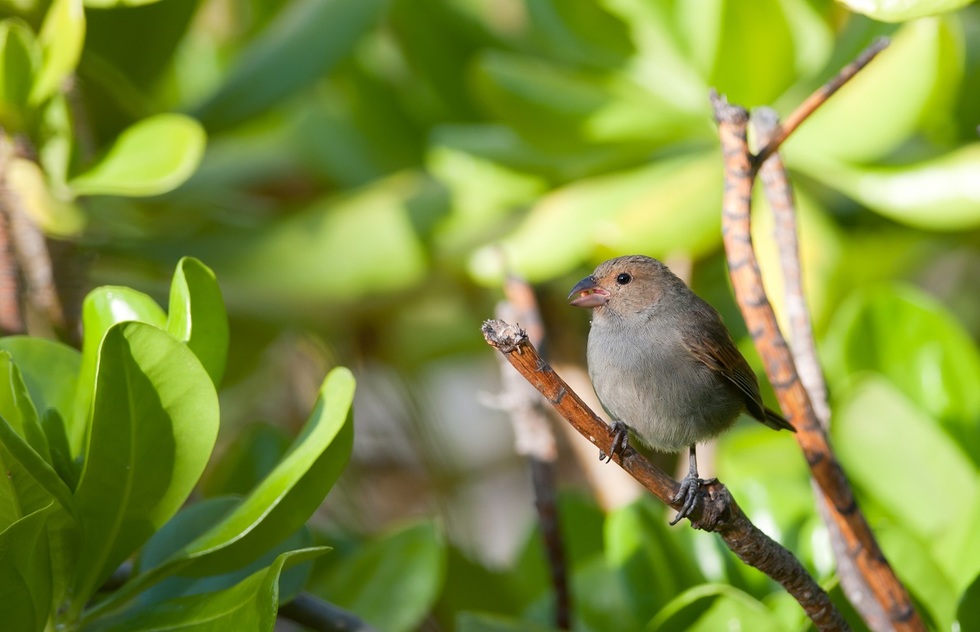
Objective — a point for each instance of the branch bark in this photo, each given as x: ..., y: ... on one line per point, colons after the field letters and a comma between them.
x: 740, y: 172
x: 719, y: 512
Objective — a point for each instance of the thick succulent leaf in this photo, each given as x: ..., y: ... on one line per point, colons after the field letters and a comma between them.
x: 154, y: 423
x: 150, y: 157
x: 61, y: 38
x: 25, y: 573
x: 197, y: 315
x: 18, y: 410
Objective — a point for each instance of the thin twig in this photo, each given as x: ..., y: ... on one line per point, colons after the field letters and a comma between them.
x: 816, y: 99
x: 718, y: 512
x: 761, y: 322
x: 321, y: 616
x: 536, y: 441
x: 779, y: 192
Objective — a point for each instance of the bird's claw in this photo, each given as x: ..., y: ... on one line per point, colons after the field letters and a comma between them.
x: 621, y: 438
x: 688, y: 494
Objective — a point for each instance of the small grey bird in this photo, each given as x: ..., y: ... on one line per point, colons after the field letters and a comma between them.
x: 663, y: 364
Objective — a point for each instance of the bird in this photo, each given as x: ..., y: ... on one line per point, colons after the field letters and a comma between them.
x: 663, y: 364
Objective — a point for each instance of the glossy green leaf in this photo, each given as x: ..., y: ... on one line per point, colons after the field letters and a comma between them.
x: 150, y: 157
x: 409, y: 562
x: 665, y: 208
x: 855, y: 125
x: 903, y: 10
x: 64, y: 464
x: 17, y: 408
x: 728, y: 37
x: 197, y: 315
x: 31, y: 481
x: 910, y: 338
x: 912, y: 458
x: 103, y: 308
x: 941, y: 193
x: 19, y: 58
x: 252, y: 454
x: 154, y: 423
x: 306, y: 40
x: 106, y: 4
x: 56, y: 217
x: 967, y: 613
x: 713, y: 607
x: 249, y: 605
x: 61, y: 38
x: 25, y: 574
x: 193, y: 521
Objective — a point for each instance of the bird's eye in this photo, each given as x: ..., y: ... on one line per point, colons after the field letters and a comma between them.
x: 624, y: 278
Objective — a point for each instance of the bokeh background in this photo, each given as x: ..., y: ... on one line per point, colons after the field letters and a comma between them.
x: 361, y: 173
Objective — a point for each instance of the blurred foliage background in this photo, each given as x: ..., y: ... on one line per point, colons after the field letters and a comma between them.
x: 359, y: 173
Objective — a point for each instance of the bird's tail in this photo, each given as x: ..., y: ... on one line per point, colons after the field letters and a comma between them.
x: 777, y: 421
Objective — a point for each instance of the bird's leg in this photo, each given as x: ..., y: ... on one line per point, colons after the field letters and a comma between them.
x: 621, y: 439
x: 688, y: 493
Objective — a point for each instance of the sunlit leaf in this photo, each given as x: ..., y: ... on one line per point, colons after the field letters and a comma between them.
x: 31, y: 481
x: 942, y: 193
x: 664, y: 208
x: 903, y: 10
x: 910, y: 338
x: 103, y: 308
x: 61, y: 38
x: 25, y: 574
x: 150, y: 157
x: 17, y: 408
x: 154, y: 423
x: 197, y: 315
x: 865, y: 120
x: 105, y: 4
x: 713, y: 607
x: 54, y: 216
x: 912, y: 458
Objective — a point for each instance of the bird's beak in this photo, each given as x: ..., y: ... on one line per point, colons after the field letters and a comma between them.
x: 587, y: 293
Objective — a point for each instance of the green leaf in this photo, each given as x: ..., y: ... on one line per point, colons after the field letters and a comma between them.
x: 61, y: 458
x: 103, y: 307
x: 197, y: 315
x: 307, y: 39
x: 25, y: 574
x: 150, y: 157
x: 912, y: 458
x: 903, y: 10
x: 910, y: 338
x: 31, y: 481
x: 251, y: 455
x: 409, y: 563
x: 17, y: 408
x: 56, y: 217
x: 106, y: 4
x: 250, y: 605
x: 967, y: 613
x: 19, y: 59
x: 713, y: 607
x: 154, y: 423
x: 61, y: 39
x: 851, y: 126
x: 665, y: 208
x: 941, y: 193
x: 193, y: 521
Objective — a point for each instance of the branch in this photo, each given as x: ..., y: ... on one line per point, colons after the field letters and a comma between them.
x: 718, y: 512
x: 817, y: 99
x: 779, y: 192
x: 319, y: 615
x: 761, y: 322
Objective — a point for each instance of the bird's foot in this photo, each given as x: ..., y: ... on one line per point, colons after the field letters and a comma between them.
x: 621, y: 438
x: 688, y: 495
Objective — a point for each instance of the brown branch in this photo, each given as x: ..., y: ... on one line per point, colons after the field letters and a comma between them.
x: 719, y: 512
x: 761, y: 322
x: 536, y: 441
x: 779, y: 193
x: 817, y: 99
